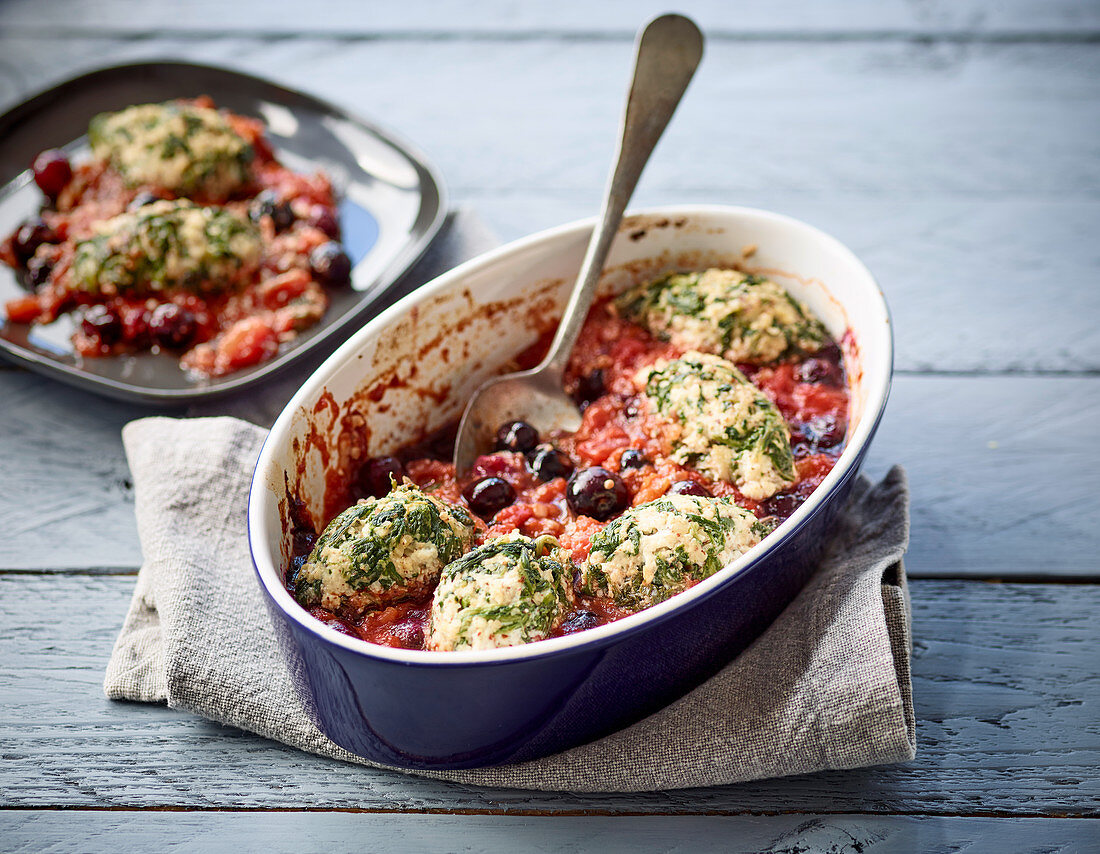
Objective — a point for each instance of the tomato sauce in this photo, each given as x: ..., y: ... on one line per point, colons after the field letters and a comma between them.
x: 811, y: 394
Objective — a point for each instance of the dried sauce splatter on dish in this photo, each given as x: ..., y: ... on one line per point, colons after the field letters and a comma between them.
x: 181, y: 234
x: 713, y: 403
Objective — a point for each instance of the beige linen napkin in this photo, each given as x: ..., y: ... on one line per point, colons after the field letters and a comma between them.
x: 826, y: 686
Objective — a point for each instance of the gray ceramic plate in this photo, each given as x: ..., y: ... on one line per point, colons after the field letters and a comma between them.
x: 391, y: 205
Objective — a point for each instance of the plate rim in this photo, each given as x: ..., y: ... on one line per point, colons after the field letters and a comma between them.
x: 402, y: 262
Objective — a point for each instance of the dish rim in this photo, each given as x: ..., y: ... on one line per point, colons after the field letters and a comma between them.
x: 401, y: 263
x: 609, y: 633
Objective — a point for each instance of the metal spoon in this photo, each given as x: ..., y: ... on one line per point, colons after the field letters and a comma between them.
x: 667, y: 53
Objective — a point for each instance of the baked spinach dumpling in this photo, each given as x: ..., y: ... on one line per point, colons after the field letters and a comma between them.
x: 658, y: 549
x: 509, y: 591
x: 382, y: 550
x: 724, y: 426
x: 741, y: 317
x: 184, y: 148
x: 165, y: 246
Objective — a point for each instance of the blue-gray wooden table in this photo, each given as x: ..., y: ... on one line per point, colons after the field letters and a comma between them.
x: 953, y: 144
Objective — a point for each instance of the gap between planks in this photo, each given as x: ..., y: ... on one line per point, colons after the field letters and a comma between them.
x: 533, y: 813
x: 619, y: 17
x: 905, y: 36
x: 842, y: 834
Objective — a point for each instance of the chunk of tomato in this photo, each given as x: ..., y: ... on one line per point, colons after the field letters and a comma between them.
x: 247, y: 342
x: 23, y: 309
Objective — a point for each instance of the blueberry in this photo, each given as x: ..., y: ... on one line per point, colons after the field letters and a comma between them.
x: 330, y: 263
x: 596, y: 492
x: 142, y: 199
x: 590, y: 387
x: 172, y: 326
x: 632, y: 458
x: 30, y: 236
x: 375, y: 474
x: 489, y: 495
x: 38, y: 270
x: 688, y: 487
x: 103, y: 323
x: 548, y: 463
x: 52, y: 172
x: 518, y: 436
x: 783, y: 504
x: 579, y: 622
x: 324, y: 218
x: 268, y: 203
x: 824, y: 431
x: 822, y: 371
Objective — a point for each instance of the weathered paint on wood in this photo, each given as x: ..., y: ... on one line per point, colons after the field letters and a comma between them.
x: 996, y: 491
x: 1007, y: 700
x: 45, y: 832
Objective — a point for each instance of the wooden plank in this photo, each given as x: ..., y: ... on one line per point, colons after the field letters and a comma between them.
x: 50, y: 831
x: 347, y: 18
x: 1023, y: 507
x: 1002, y: 473
x: 1004, y: 680
x: 926, y: 160
x: 900, y: 122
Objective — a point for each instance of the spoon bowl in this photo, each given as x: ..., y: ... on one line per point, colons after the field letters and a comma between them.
x: 533, y: 396
x: 667, y: 53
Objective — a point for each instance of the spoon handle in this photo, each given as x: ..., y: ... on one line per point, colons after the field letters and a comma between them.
x: 667, y: 53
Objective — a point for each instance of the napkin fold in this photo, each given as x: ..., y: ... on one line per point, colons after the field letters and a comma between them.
x: 826, y: 686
